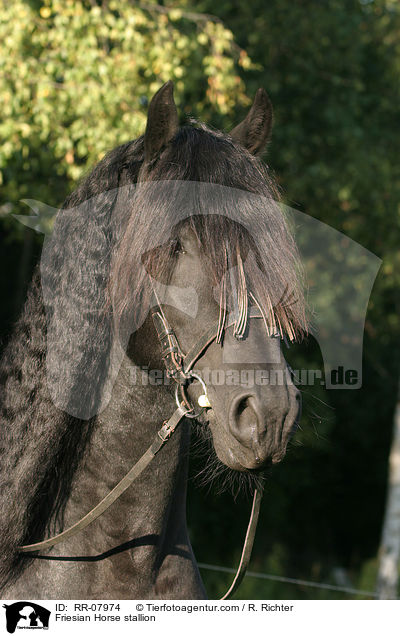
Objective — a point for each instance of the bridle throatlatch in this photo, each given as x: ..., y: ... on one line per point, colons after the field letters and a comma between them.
x: 180, y: 368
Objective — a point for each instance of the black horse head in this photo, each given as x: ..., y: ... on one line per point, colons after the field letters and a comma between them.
x: 221, y: 245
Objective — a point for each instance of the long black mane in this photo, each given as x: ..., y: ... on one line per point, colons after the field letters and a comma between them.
x: 41, y: 444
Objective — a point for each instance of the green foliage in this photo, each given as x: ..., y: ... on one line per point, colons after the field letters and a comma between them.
x: 76, y: 79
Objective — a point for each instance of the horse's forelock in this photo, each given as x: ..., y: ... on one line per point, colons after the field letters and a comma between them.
x: 237, y: 213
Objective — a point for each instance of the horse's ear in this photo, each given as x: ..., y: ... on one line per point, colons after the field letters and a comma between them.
x: 162, y: 122
x: 254, y: 131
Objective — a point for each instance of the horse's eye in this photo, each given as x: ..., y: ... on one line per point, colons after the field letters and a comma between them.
x: 178, y: 248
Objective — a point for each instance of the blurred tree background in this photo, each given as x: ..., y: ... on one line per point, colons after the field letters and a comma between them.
x: 75, y: 80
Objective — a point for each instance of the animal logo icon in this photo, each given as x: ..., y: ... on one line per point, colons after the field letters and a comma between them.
x: 25, y: 614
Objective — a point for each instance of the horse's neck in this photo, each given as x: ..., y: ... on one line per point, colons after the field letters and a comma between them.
x: 150, y: 516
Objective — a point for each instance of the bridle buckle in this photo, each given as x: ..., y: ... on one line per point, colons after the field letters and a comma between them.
x: 165, y: 431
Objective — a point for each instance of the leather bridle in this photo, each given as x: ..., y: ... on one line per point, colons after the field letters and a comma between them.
x: 180, y: 368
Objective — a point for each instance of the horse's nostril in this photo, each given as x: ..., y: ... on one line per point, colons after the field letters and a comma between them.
x: 244, y: 421
x: 243, y: 404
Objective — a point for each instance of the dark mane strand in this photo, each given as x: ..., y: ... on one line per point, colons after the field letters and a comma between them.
x: 35, y: 486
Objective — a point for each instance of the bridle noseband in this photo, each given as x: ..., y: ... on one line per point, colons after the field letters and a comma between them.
x: 180, y: 368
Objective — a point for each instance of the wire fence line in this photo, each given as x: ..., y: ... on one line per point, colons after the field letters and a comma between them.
x: 285, y: 579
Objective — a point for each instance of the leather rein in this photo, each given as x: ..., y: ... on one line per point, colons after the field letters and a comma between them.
x: 180, y: 368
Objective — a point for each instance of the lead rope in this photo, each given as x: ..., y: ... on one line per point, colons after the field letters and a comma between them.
x: 178, y: 365
x: 247, y: 545
x: 160, y: 439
